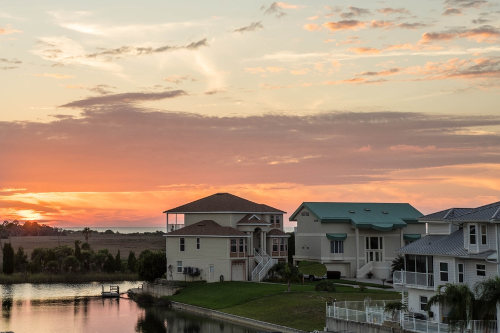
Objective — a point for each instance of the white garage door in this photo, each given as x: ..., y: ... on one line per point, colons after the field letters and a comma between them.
x: 238, y: 272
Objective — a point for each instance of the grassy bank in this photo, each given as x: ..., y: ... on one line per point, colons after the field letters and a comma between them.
x: 302, y: 308
x: 66, y: 278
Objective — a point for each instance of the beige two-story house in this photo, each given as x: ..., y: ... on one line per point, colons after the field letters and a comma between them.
x: 224, y: 238
x: 355, y: 239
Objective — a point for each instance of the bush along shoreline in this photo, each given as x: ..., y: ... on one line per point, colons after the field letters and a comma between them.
x: 64, y: 264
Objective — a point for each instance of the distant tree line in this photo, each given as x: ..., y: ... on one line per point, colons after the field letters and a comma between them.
x: 16, y: 228
x: 82, y: 259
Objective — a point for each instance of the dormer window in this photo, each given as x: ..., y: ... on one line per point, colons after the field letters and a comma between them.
x: 472, y: 235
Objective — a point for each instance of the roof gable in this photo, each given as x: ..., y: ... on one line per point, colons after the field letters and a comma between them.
x: 223, y: 203
x: 384, y: 216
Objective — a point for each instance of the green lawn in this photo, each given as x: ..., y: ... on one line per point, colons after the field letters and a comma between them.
x: 302, y: 308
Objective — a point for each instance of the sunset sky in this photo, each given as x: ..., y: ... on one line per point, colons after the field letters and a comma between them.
x: 114, y: 111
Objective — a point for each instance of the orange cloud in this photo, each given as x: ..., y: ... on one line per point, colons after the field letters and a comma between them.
x: 364, y: 50
x: 8, y: 30
x: 312, y: 27
x: 344, y: 25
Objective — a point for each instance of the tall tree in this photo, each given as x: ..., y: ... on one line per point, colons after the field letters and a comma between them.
x: 20, y: 260
x: 132, y: 262
x: 458, y: 298
x: 489, y: 297
x: 8, y: 259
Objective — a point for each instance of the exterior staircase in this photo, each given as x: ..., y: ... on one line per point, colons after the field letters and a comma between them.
x: 365, y: 269
x: 264, y: 264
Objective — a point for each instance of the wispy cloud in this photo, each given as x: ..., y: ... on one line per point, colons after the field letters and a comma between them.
x: 278, y: 8
x: 55, y: 76
x: 124, y: 98
x: 354, y: 12
x: 251, y: 27
x: 466, y: 3
x: 452, y: 11
x: 389, y: 10
x: 6, y: 64
x: 485, y: 33
x: 8, y: 30
x: 122, y: 51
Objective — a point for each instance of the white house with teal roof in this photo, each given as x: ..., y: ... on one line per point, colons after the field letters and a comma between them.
x: 355, y: 239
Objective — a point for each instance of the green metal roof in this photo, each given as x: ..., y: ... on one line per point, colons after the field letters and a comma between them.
x: 378, y: 216
x: 336, y: 236
x: 411, y: 237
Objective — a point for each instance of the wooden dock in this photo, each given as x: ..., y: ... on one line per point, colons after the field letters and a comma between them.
x: 114, y: 292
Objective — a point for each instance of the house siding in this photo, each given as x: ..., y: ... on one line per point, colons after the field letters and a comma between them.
x: 213, y: 251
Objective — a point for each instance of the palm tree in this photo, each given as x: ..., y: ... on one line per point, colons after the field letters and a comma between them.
x: 489, y: 296
x: 86, y: 233
x: 459, y: 298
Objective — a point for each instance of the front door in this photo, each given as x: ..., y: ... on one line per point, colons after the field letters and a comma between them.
x: 374, y: 249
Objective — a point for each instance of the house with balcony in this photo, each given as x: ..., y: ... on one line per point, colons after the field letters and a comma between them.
x: 461, y: 247
x: 352, y: 238
x: 224, y: 237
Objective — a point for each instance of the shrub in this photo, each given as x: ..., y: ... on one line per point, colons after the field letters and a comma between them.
x: 325, y: 286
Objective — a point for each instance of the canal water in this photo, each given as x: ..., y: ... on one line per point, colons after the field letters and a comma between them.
x: 66, y: 308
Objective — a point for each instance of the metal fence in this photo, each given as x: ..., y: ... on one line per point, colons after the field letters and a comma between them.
x: 374, y: 312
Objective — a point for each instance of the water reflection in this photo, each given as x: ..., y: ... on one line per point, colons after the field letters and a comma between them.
x: 94, y: 314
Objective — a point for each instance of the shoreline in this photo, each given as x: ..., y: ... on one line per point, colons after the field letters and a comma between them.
x: 39, y: 278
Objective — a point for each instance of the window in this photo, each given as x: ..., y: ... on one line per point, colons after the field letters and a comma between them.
x: 460, y: 273
x: 483, y: 234
x: 304, y: 213
x: 423, y: 303
x: 443, y: 271
x: 233, y: 246
x: 197, y: 243
x: 337, y: 246
x: 181, y: 244
x: 472, y: 234
x: 283, y: 244
x: 275, y: 220
x: 481, y: 270
x: 275, y: 244
x: 242, y: 245
x: 179, y: 267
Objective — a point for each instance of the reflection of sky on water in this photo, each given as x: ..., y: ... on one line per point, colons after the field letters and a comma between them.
x: 60, y: 312
x: 30, y: 291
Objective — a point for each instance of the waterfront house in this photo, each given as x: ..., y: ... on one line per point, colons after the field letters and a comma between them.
x: 355, y: 239
x: 224, y: 237
x: 461, y: 247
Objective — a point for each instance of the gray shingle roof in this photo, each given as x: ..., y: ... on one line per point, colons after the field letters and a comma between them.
x: 446, y: 214
x: 444, y: 245
x: 486, y: 213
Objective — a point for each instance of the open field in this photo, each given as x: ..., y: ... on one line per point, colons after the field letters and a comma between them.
x: 113, y: 242
x: 302, y: 308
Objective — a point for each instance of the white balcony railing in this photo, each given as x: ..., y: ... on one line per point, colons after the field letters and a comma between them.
x: 413, y: 279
